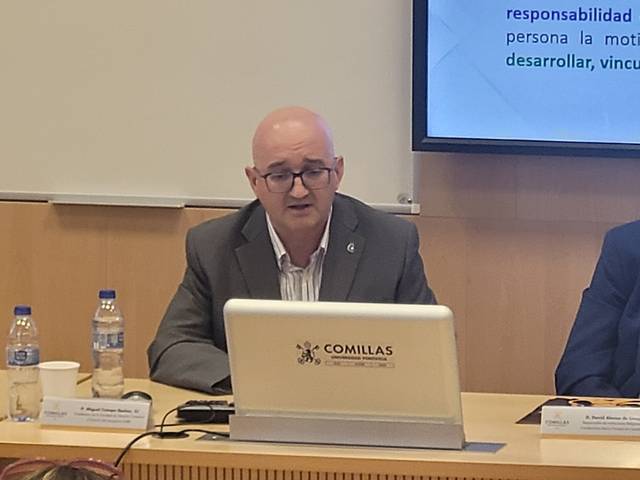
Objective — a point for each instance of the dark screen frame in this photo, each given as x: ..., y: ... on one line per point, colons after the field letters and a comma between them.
x: 422, y: 142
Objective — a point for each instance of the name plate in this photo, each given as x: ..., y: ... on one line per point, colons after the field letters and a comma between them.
x: 603, y: 421
x: 96, y: 412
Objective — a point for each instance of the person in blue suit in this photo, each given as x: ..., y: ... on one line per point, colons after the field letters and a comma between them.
x: 601, y: 357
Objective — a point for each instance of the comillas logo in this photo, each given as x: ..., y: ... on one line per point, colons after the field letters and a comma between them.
x: 341, y: 354
x: 353, y: 349
x: 557, y: 420
x: 307, y: 354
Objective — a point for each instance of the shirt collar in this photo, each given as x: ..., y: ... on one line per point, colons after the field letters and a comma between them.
x: 281, y: 251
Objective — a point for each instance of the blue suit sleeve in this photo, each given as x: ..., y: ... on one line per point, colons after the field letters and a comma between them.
x: 587, y: 365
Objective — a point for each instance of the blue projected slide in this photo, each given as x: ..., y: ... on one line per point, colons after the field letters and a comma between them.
x: 562, y: 70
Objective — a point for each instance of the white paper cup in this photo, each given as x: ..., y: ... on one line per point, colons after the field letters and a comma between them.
x: 59, y: 378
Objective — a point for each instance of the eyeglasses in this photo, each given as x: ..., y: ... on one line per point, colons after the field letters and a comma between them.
x: 312, y: 179
x: 27, y: 468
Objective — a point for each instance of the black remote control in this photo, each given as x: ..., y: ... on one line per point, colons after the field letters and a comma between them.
x: 205, y: 411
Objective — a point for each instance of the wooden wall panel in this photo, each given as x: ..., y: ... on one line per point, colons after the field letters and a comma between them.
x: 56, y: 258
x: 467, y: 186
x: 528, y: 233
x: 53, y: 261
x: 578, y: 189
x: 514, y: 288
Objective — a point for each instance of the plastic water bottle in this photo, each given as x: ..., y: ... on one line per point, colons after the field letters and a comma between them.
x: 23, y: 357
x: 108, y: 347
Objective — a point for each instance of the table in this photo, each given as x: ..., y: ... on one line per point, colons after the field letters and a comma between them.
x: 487, y: 417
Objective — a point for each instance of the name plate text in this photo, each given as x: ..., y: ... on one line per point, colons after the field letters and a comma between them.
x: 95, y: 412
x: 604, y: 421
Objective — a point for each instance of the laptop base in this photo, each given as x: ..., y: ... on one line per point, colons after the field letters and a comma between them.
x: 380, y: 433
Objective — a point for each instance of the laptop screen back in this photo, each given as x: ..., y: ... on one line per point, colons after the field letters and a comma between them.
x: 351, y: 360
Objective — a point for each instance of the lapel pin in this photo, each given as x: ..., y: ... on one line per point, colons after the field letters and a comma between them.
x: 351, y: 247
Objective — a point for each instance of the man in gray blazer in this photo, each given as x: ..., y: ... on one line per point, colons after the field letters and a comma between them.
x: 299, y: 240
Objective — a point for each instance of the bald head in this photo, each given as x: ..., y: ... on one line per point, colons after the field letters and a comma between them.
x: 294, y: 145
x: 293, y: 127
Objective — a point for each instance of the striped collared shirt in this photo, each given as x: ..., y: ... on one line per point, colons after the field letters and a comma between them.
x: 298, y: 283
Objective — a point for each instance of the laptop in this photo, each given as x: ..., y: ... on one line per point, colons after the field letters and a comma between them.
x: 334, y: 372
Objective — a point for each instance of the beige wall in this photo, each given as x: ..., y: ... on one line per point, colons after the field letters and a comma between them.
x: 509, y: 244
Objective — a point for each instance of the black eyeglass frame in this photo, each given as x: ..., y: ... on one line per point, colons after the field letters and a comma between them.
x: 300, y: 175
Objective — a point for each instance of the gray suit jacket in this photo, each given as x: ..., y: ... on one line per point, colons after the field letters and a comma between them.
x: 232, y: 257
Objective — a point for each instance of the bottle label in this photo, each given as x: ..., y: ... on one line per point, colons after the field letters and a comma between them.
x: 24, y: 357
x: 108, y: 341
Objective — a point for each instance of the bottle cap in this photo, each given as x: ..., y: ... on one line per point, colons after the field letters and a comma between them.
x: 22, y: 310
x: 107, y: 294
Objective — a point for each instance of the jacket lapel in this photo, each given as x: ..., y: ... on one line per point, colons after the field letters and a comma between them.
x: 343, y: 253
x: 257, y: 260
